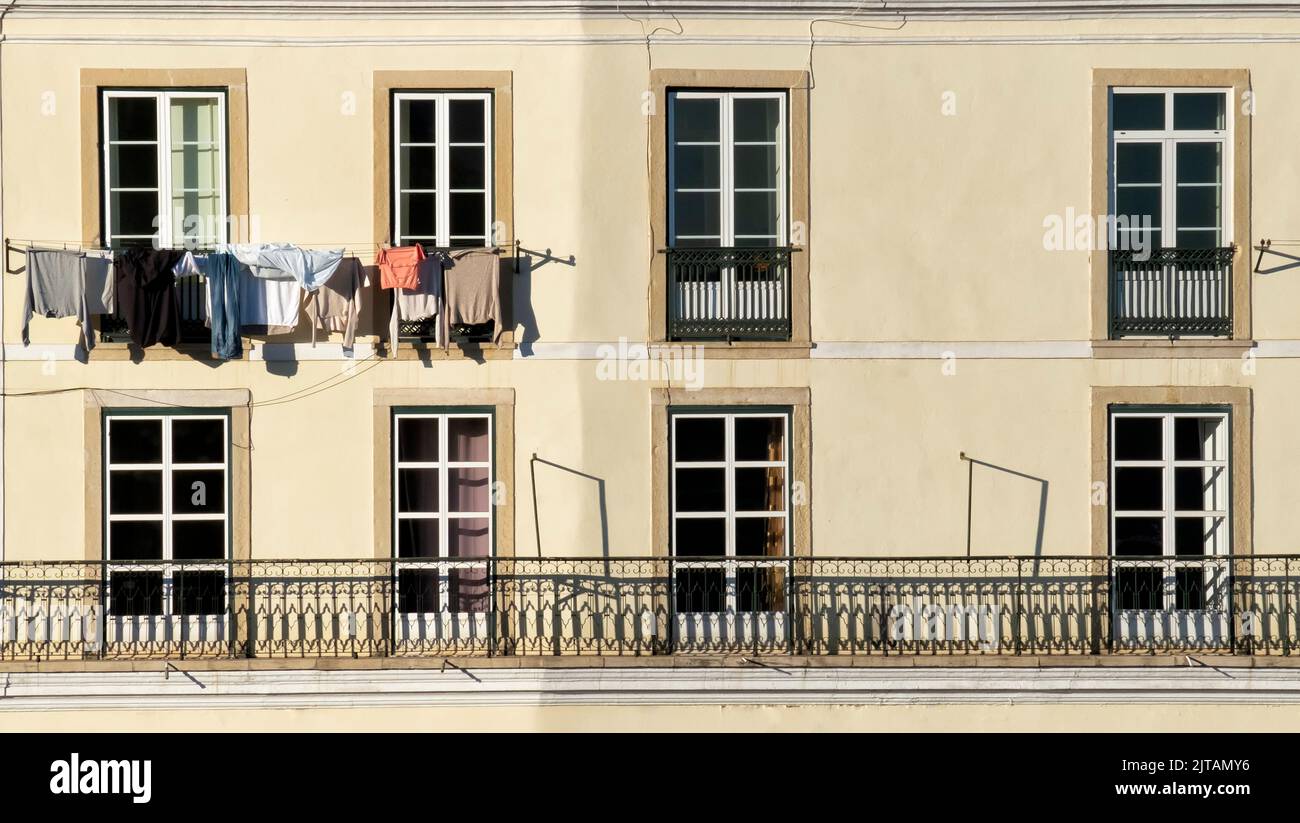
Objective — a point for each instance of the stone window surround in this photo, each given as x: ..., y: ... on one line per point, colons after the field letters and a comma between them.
x: 1239, y: 81
x: 1237, y: 398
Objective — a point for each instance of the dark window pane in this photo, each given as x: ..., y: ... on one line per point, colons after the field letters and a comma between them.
x: 1138, y: 112
x: 759, y: 490
x: 1193, y: 489
x: 417, y: 591
x: 1198, y: 239
x: 756, y: 212
x: 760, y: 536
x: 695, y: 120
x: 133, y: 167
x: 199, y: 592
x: 1140, y: 588
x: 134, y: 212
x: 198, y: 492
x: 418, y: 212
x: 468, y: 490
x: 1139, y: 489
x: 198, y: 441
x: 699, y: 438
x: 755, y: 167
x: 135, y: 593
x: 132, y: 118
x: 1190, y: 535
x: 199, y: 539
x: 417, y: 439
x: 468, y: 589
x: 760, y: 438
x: 418, y: 537
x: 135, y: 441
x: 1138, y: 438
x: 467, y: 214
x: 696, y: 167
x: 760, y: 590
x: 700, y: 490
x: 417, y: 490
x: 700, y: 590
x: 756, y: 120
x: 696, y: 213
x: 465, y: 121
x: 1203, y: 111
x: 1139, y: 536
x: 1194, y: 438
x: 1198, y: 206
x: 701, y: 537
x: 135, y: 492
x: 1140, y: 205
x: 1189, y: 588
x: 1199, y: 163
x: 469, y: 537
x: 418, y: 168
x: 467, y: 168
x: 467, y: 440
x: 1137, y: 163
x: 135, y: 540
x: 418, y: 119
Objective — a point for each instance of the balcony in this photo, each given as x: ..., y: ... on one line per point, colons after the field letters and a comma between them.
x: 191, y: 293
x: 730, y: 293
x: 305, y: 609
x: 1171, y: 293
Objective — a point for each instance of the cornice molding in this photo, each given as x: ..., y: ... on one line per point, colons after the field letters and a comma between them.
x: 865, y: 10
x: 469, y: 686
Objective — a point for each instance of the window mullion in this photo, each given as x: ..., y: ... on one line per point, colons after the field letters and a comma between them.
x: 162, y: 101
x: 726, y: 157
x: 442, y: 162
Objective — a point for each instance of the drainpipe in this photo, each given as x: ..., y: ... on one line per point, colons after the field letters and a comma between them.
x: 3, y: 358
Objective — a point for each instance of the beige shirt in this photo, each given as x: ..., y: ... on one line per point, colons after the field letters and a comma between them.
x: 336, y: 305
x: 472, y: 281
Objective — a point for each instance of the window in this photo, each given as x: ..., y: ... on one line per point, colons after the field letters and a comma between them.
x: 726, y: 168
x: 442, y: 165
x: 442, y: 510
x: 1169, y: 149
x: 167, y: 503
x: 164, y: 168
x: 1170, y: 506
x: 730, y: 501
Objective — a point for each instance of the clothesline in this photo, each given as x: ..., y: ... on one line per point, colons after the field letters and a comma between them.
x: 259, y: 285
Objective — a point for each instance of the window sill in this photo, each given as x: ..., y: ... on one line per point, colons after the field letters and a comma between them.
x: 744, y: 349
x: 110, y: 352
x: 1189, y: 348
x: 428, y: 351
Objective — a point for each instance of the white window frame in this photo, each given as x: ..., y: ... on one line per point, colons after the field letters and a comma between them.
x: 168, y: 565
x: 1169, y: 560
x: 167, y: 235
x: 444, y: 563
x: 442, y: 166
x: 726, y: 154
x: 1169, y: 138
x: 730, y: 562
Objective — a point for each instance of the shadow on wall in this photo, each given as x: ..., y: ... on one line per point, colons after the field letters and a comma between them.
x: 1005, y: 495
x: 600, y: 502
x: 522, y: 298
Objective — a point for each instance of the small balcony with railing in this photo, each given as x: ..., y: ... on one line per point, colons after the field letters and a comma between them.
x: 1171, y: 292
x: 729, y: 293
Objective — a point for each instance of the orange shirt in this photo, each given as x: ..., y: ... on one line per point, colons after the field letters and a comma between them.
x: 399, y: 268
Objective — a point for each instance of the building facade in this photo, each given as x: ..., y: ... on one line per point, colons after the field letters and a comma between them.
x: 904, y: 348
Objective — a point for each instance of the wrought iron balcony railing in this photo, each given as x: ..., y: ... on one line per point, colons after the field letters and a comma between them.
x: 732, y: 293
x: 648, y: 606
x: 191, y: 293
x: 1171, y: 292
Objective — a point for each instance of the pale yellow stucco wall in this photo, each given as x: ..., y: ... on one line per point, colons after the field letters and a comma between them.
x: 926, y: 227
x: 978, y: 717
